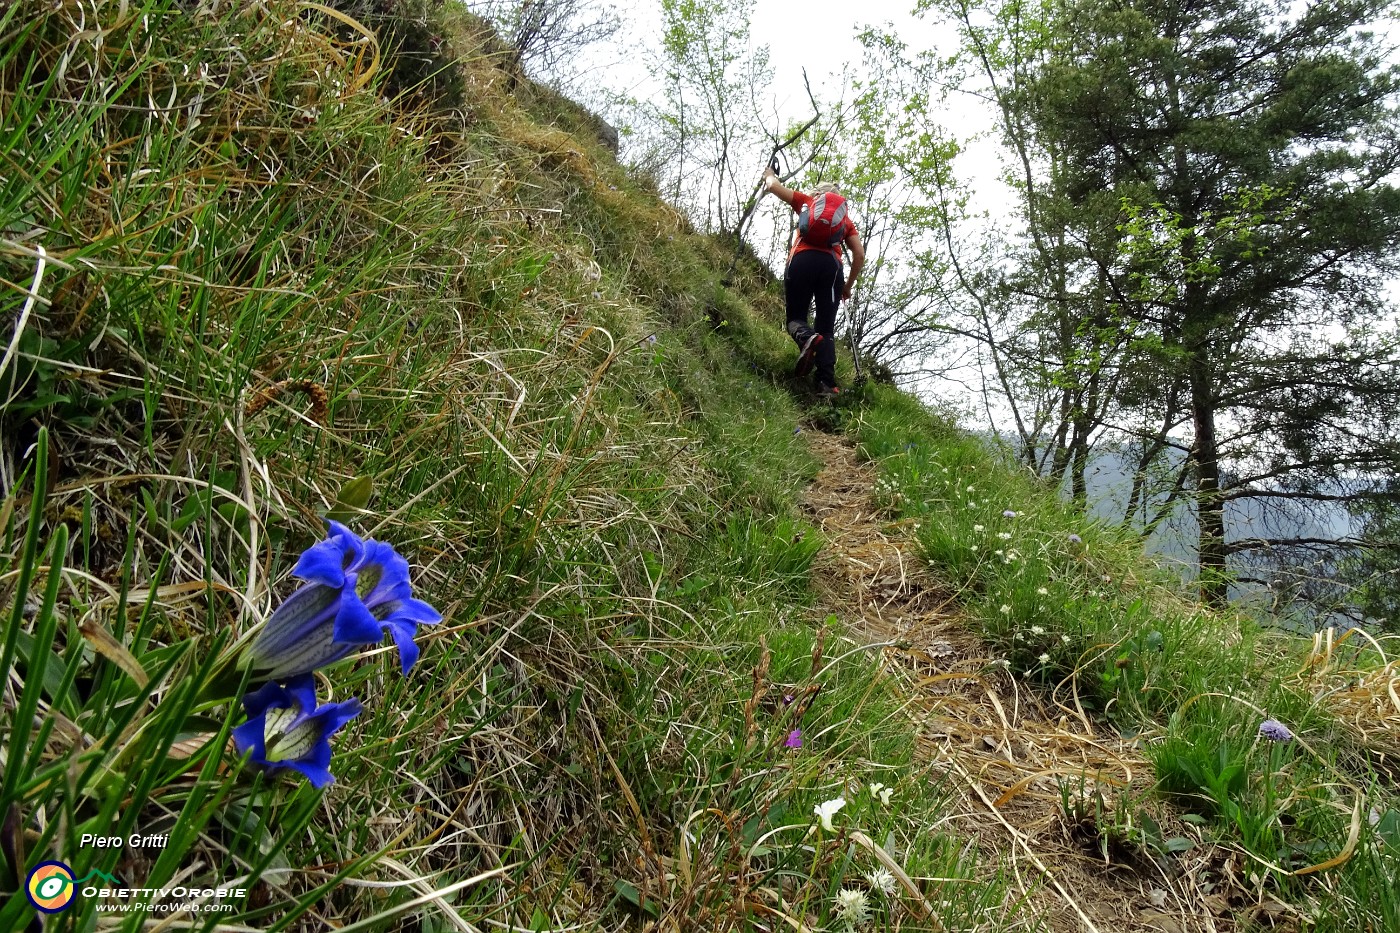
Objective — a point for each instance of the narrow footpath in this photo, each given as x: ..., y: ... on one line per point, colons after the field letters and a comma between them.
x: 1001, y: 749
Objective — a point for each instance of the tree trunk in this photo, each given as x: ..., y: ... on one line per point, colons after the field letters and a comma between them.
x: 1079, y: 446
x: 1210, y: 508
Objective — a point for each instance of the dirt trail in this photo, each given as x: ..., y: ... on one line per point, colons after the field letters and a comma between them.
x: 1003, y: 748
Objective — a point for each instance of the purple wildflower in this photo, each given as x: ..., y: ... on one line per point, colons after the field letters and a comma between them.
x: 1075, y: 539
x: 1275, y: 731
x: 1008, y: 514
x: 794, y: 739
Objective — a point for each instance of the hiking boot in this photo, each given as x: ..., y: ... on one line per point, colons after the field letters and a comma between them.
x: 828, y: 391
x: 808, y: 359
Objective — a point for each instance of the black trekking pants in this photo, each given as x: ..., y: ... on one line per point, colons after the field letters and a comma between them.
x: 815, y: 274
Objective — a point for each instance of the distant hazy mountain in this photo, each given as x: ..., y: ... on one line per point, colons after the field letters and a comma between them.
x: 1109, y: 480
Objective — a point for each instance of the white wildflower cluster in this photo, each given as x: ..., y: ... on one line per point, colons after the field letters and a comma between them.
x: 852, y: 908
x: 1038, y: 642
x: 882, y: 880
x: 887, y: 488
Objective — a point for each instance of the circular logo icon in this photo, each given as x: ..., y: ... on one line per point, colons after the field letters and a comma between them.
x: 50, y: 887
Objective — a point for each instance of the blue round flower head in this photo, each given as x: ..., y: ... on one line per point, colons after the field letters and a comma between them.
x: 1275, y: 731
x: 286, y: 729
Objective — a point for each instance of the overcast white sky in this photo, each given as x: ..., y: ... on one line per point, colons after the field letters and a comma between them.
x: 792, y: 34
x: 820, y: 36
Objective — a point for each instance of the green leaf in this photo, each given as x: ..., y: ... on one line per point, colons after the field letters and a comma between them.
x: 630, y: 893
x: 531, y: 266
x: 53, y: 674
x: 352, y: 499
x: 195, y: 506
x: 1388, y: 828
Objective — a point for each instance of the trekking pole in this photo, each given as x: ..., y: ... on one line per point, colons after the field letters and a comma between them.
x: 757, y: 193
x: 748, y: 215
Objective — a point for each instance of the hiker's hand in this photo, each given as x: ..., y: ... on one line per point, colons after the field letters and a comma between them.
x: 769, y: 178
x: 846, y: 293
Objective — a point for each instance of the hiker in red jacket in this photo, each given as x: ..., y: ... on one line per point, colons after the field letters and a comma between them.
x: 815, y: 271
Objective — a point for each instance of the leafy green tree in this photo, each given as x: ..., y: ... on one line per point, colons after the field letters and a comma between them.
x: 1251, y: 149
x: 893, y: 159
x: 1212, y: 180
x: 710, y: 118
x: 1023, y: 301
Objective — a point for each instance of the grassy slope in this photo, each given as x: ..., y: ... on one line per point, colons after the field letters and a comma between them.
x: 230, y: 213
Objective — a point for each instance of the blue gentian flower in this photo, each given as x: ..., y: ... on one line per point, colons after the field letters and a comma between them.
x: 356, y: 589
x: 309, y: 631
x: 286, y: 729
